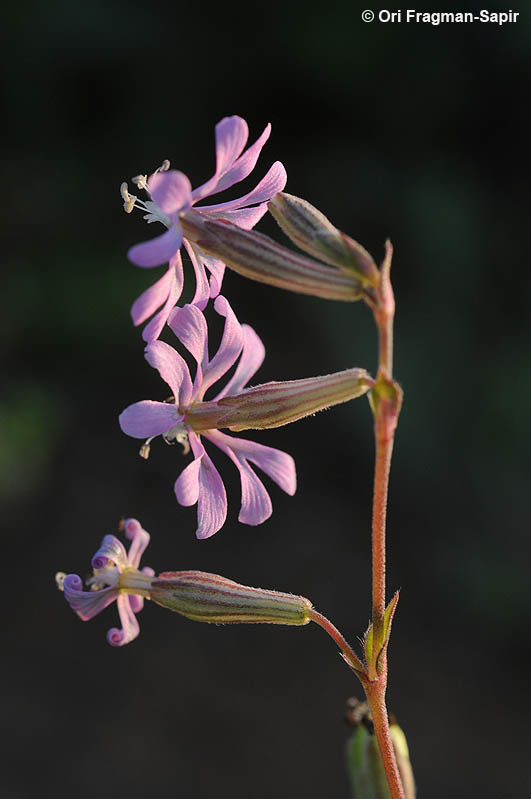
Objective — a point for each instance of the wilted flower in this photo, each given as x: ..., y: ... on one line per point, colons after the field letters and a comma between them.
x: 116, y: 576
x: 200, y: 481
x: 171, y: 197
x: 197, y: 595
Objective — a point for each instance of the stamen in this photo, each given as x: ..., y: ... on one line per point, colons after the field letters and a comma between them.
x: 129, y: 199
x: 140, y: 181
x: 145, y: 449
x: 178, y: 435
x: 164, y: 166
x: 59, y: 580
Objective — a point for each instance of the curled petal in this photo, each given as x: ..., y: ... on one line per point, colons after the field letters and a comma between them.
x: 159, y: 250
x: 252, y: 357
x: 86, y: 604
x: 139, y: 541
x: 130, y: 627
x: 273, y: 182
x: 148, y: 418
x: 229, y: 349
x: 171, y: 191
x: 172, y: 368
x: 111, y: 549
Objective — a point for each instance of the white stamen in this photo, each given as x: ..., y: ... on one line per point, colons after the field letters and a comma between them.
x: 164, y: 166
x: 59, y: 580
x: 129, y: 199
x: 140, y: 181
x: 145, y: 449
x: 178, y: 434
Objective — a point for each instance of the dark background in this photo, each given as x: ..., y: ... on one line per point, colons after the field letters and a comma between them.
x: 415, y: 132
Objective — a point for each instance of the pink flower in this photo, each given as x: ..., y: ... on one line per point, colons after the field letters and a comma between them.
x: 116, y: 577
x: 171, y: 197
x: 200, y: 481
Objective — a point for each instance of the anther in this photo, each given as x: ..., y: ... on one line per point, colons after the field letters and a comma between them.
x: 129, y: 199
x: 59, y: 580
x: 164, y: 166
x: 140, y: 181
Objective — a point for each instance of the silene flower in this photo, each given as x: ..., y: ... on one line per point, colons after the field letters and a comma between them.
x: 200, y: 481
x: 171, y: 198
x: 116, y: 578
x: 197, y: 595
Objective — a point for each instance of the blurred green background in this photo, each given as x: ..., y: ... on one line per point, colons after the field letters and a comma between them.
x: 413, y: 132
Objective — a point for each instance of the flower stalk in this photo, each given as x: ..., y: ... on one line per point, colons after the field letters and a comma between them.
x: 386, y: 400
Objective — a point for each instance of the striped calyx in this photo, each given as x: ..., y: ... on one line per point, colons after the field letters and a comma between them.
x: 313, y: 232
x: 211, y: 598
x: 278, y: 403
x: 260, y: 258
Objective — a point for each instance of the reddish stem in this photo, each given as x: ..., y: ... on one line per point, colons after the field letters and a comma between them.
x: 386, y: 407
x: 333, y: 632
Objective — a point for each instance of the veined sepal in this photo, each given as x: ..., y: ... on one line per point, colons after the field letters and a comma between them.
x: 258, y: 257
x: 211, y: 598
x: 279, y: 403
x: 313, y: 232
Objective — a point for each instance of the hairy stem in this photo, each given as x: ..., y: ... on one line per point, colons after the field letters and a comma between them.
x: 386, y: 402
x: 347, y: 651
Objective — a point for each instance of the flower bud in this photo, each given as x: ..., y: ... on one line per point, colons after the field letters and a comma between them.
x: 278, y: 403
x: 364, y: 762
x: 313, y: 232
x: 258, y: 257
x: 209, y: 597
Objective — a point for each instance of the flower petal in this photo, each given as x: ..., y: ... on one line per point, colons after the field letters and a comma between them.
x: 139, y: 541
x: 172, y: 368
x: 153, y: 330
x: 187, y: 484
x: 201, y: 481
x: 86, y: 604
x: 151, y: 299
x: 148, y: 418
x: 256, y: 504
x: 111, y: 549
x: 216, y: 269
x: 252, y: 357
x: 231, y: 136
x: 130, y: 627
x: 245, y: 163
x: 273, y: 182
x: 245, y: 218
x: 229, y: 349
x: 278, y: 465
x: 202, y: 289
x: 171, y: 191
x: 190, y: 327
x: 159, y: 250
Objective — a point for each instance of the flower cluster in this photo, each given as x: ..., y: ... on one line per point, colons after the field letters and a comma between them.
x: 188, y: 417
